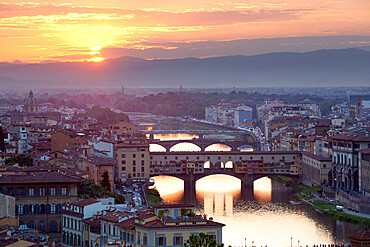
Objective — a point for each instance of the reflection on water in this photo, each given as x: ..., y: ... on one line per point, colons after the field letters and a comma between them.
x: 156, y: 148
x: 179, y: 136
x: 185, y: 146
x: 264, y: 220
x: 218, y: 147
x: 171, y: 189
x: 218, y: 199
x: 267, y: 220
x: 245, y: 148
x: 262, y: 190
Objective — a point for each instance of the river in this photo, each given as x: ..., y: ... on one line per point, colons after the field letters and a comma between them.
x: 269, y: 219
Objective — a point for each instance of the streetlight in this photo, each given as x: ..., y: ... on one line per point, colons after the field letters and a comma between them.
x: 291, y: 241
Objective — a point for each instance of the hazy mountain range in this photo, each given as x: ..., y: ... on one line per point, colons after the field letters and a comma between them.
x: 341, y: 67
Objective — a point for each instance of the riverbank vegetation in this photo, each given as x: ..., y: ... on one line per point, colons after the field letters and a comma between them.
x: 283, y: 179
x: 153, y: 197
x: 342, y: 216
x: 89, y: 189
x: 330, y: 209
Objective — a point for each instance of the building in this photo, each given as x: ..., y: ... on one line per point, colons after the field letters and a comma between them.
x: 73, y: 215
x: 132, y: 156
x: 30, y: 104
x: 39, y: 199
x: 241, y: 162
x: 96, y: 167
x: 315, y: 169
x: 122, y: 128
x: 7, y: 211
x: 62, y: 140
x: 222, y: 113
x: 174, y: 231
x: 243, y: 115
x: 345, y: 160
x: 173, y: 210
x: 364, y: 184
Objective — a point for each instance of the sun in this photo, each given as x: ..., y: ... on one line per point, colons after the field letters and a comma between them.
x: 97, y: 59
x: 96, y: 51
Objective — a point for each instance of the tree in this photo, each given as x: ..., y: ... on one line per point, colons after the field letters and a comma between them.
x: 2, y: 143
x: 88, y: 189
x: 203, y: 240
x: 22, y: 160
x: 105, y: 182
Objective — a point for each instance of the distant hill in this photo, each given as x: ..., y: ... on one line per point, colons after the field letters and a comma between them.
x: 342, y: 67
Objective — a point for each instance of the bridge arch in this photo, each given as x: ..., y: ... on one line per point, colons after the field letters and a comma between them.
x: 245, y: 148
x: 155, y: 147
x: 177, y: 146
x: 217, y: 146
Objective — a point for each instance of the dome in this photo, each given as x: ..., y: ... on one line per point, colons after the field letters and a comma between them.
x: 31, y: 100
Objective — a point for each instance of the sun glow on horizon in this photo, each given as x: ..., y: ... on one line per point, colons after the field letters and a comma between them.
x: 96, y: 51
x: 97, y: 59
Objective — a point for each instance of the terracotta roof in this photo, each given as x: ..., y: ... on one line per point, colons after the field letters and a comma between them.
x: 93, y: 222
x: 102, y: 161
x: 127, y: 224
x: 85, y: 202
x: 316, y: 157
x: 352, y: 137
x: 115, y: 216
x: 145, y: 216
x: 174, y: 206
x: 53, y: 177
x: 159, y: 224
x: 361, y: 235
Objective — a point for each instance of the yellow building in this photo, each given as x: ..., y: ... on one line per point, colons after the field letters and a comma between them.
x: 132, y: 156
x: 122, y: 128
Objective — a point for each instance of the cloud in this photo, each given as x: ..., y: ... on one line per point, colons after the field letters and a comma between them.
x: 162, y: 28
x: 235, y: 47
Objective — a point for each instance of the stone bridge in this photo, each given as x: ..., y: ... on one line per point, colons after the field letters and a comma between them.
x: 247, y: 189
x: 204, y: 143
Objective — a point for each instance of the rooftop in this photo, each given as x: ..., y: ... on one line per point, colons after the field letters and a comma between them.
x: 44, y: 178
x: 85, y: 202
x: 315, y: 157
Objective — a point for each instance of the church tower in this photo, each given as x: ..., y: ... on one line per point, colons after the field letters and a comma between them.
x: 30, y: 105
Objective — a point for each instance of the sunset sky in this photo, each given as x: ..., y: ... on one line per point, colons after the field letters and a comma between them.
x: 79, y: 30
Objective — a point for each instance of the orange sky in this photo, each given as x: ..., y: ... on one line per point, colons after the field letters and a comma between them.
x: 68, y: 30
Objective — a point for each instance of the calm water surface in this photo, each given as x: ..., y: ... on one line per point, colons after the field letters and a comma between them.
x: 269, y: 219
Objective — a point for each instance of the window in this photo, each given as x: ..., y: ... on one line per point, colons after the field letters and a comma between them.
x: 53, y: 226
x: 123, y: 168
x: 123, y: 162
x: 177, y: 240
x: 64, y: 191
x: 142, y: 155
x: 161, y: 241
x: 133, y: 155
x: 123, y: 156
x: 31, y: 192
x: 20, y: 209
x: 52, y: 208
x: 52, y: 191
x: 142, y: 162
x: 32, y: 209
